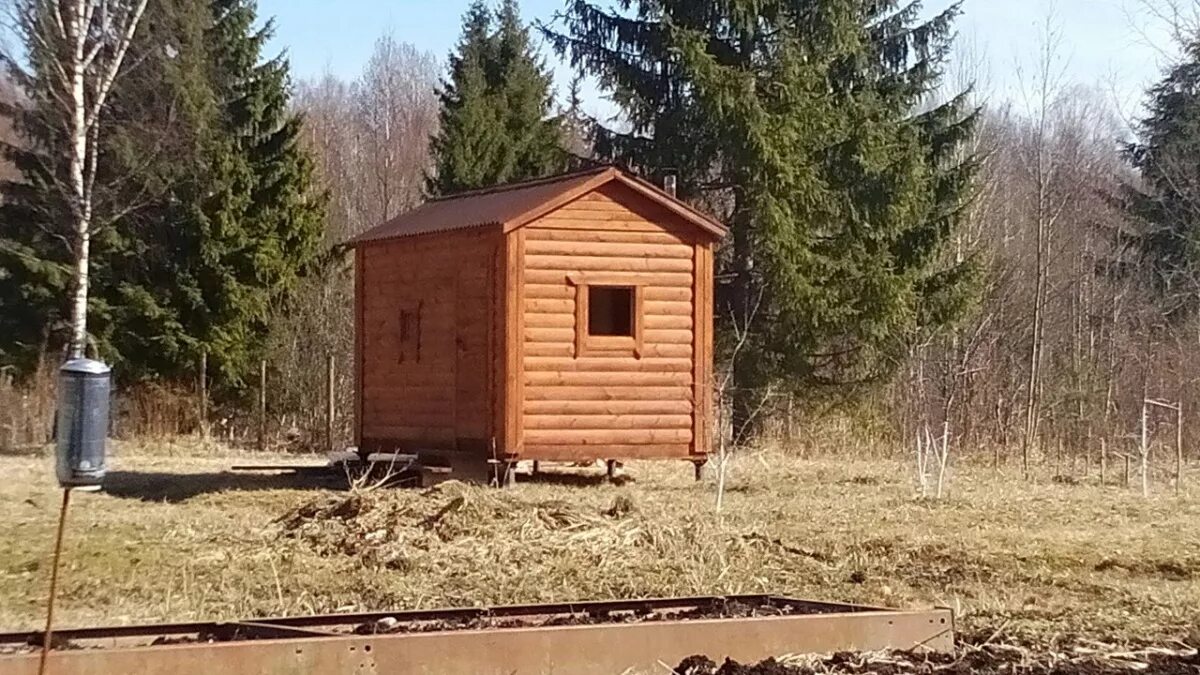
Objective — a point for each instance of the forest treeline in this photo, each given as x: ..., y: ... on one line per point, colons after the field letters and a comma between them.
x: 1012, y: 279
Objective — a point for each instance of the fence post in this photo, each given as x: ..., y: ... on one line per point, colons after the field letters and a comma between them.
x: 330, y: 403
x: 14, y: 417
x: 1103, y: 460
x: 262, y: 405
x: 204, y: 394
x: 1179, y: 447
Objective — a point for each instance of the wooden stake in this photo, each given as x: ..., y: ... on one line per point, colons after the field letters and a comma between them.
x: 1125, y: 482
x: 1144, y: 449
x: 262, y: 405
x: 58, y: 542
x: 14, y: 417
x: 1179, y: 447
x: 330, y: 404
x: 789, y: 428
x: 203, y: 383
x: 1103, y: 460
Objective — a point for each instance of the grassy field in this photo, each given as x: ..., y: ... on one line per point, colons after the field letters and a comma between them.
x: 176, y: 537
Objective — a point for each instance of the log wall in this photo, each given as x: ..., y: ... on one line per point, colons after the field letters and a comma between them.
x: 612, y: 404
x: 438, y: 393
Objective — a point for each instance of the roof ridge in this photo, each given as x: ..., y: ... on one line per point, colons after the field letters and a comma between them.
x: 524, y: 184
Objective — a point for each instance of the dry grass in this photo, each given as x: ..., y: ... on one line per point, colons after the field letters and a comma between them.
x: 177, y: 539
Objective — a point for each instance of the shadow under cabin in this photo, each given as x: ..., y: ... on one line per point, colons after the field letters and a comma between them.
x: 563, y: 319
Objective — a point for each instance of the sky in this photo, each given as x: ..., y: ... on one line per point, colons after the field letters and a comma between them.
x: 1108, y: 44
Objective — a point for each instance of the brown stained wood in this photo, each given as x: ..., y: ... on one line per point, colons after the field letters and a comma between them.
x: 702, y: 348
x: 609, y: 407
x: 559, y: 201
x: 564, y: 305
x: 611, y: 345
x: 500, y: 341
x: 668, y: 336
x: 540, y: 320
x: 586, y: 437
x: 654, y: 379
x: 568, y: 263
x: 624, y: 423
x: 410, y: 274
x: 608, y: 393
x: 608, y: 250
x: 580, y: 320
x: 415, y: 409
x: 669, y: 351
x: 552, y: 335
x: 606, y: 364
x: 471, y: 407
x: 444, y: 433
x: 509, y: 361
x: 600, y: 195
x: 574, y: 453
x: 562, y: 291
x: 514, y: 349
x: 359, y: 336
x: 542, y: 234
x: 705, y: 224
x: 434, y: 374
x: 656, y: 321
x: 639, y: 322
x: 417, y: 421
x: 668, y: 308
x: 555, y: 277
x: 652, y: 336
x: 588, y: 221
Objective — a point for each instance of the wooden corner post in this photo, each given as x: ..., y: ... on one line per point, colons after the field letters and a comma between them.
x: 514, y: 341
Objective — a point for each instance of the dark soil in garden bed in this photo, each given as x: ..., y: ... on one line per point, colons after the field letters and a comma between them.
x: 970, y: 660
x: 718, y: 609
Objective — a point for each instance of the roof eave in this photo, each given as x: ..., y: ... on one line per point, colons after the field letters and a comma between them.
x: 364, y: 238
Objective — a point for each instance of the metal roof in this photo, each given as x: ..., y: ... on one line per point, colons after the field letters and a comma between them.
x: 511, y: 206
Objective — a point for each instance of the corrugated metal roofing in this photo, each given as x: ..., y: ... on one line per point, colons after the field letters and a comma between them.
x: 510, y: 206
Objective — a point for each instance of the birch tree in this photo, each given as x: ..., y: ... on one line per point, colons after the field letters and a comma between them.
x: 80, y: 46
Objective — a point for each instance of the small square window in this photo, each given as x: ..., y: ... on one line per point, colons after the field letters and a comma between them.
x: 610, y: 311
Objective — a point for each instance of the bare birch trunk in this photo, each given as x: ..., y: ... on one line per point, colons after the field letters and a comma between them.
x: 80, y: 197
x: 87, y: 41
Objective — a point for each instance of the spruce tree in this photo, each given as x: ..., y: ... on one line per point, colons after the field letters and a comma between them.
x: 1166, y: 205
x: 496, y: 107
x: 799, y: 125
x: 213, y: 212
x: 256, y: 222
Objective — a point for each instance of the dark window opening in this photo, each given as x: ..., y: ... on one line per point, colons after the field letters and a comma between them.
x: 610, y: 310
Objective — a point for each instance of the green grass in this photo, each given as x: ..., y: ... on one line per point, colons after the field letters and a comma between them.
x: 182, y: 541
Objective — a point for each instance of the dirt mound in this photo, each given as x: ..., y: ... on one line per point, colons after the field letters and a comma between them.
x: 391, y: 527
x: 1080, y: 660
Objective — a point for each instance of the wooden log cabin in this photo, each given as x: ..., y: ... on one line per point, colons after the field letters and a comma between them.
x: 561, y: 319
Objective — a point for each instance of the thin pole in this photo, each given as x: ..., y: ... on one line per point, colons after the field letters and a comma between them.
x: 330, y: 408
x: 1103, y: 459
x: 1144, y: 449
x: 58, y: 542
x: 204, y: 393
x: 262, y: 405
x: 1179, y: 447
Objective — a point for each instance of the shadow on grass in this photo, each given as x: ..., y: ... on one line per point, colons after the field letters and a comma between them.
x: 179, y: 487
x: 544, y: 477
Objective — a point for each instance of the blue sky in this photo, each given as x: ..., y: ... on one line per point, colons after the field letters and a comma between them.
x: 1103, y: 42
